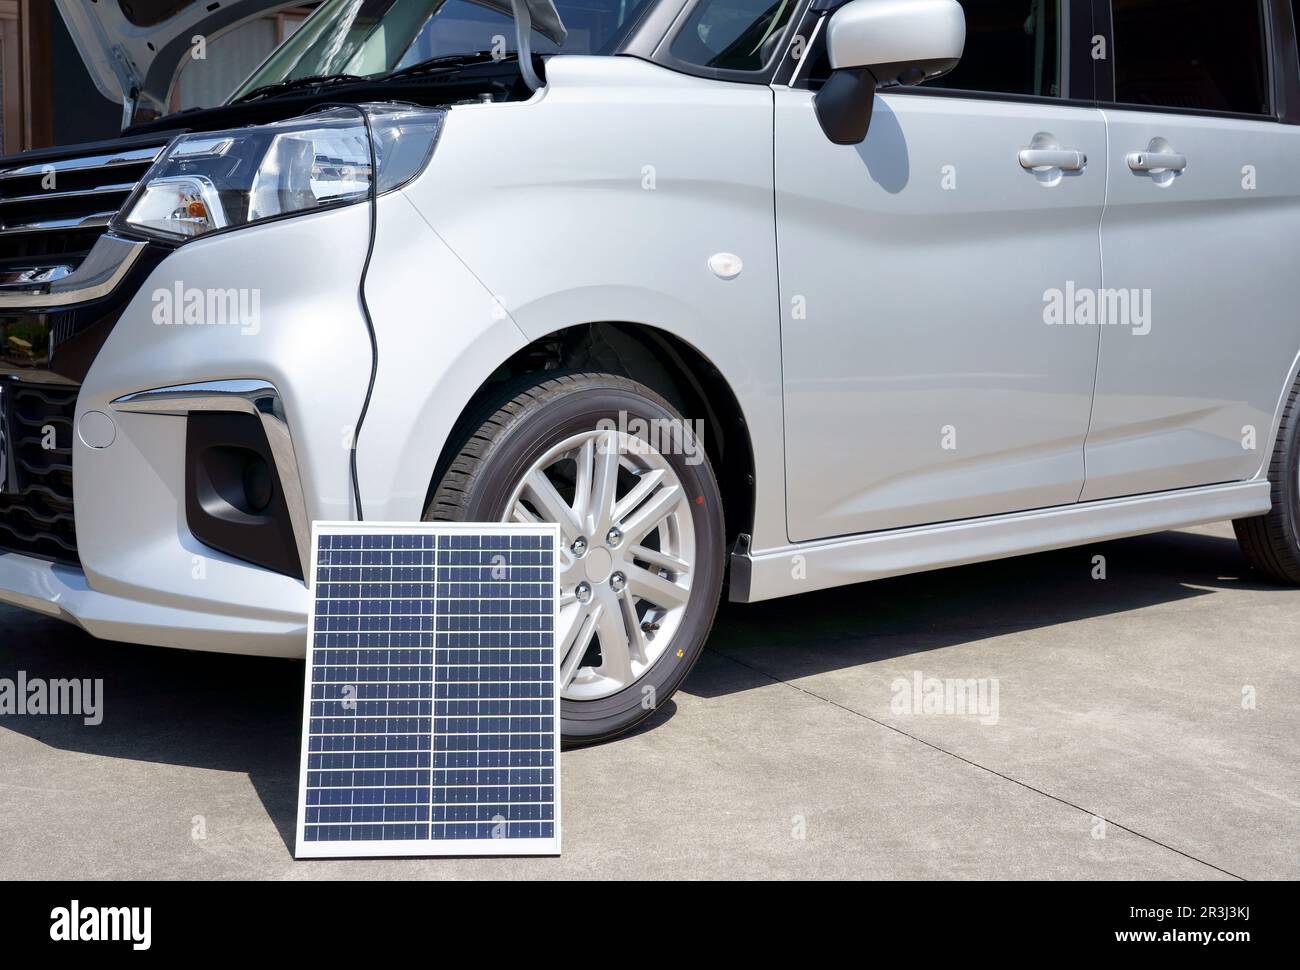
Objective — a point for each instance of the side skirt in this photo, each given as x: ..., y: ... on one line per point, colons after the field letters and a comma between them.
x: 806, y: 566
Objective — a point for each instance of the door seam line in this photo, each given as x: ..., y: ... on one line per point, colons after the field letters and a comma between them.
x: 1101, y: 264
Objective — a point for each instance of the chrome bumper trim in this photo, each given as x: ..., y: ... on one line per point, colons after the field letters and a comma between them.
x: 254, y: 397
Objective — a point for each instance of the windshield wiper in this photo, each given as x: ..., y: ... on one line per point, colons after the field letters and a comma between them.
x: 292, y: 84
x: 434, y: 65
x: 445, y: 62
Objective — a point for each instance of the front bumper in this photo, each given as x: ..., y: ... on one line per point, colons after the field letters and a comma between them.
x: 63, y: 592
x: 144, y: 577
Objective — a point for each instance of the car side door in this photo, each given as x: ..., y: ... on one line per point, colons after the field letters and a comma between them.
x: 921, y: 272
x: 1199, y: 246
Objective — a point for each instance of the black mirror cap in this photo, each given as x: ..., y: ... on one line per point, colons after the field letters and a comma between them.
x: 845, y: 101
x: 844, y: 105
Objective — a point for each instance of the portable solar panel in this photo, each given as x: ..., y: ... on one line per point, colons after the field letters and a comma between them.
x: 431, y: 721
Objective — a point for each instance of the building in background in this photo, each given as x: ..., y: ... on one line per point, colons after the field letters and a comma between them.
x: 233, y: 56
x: 48, y: 98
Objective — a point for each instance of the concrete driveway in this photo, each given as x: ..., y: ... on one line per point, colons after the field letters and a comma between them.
x: 1144, y: 725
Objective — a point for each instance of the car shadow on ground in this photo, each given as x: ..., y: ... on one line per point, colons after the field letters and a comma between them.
x: 243, y: 714
x: 852, y: 626
x: 202, y: 710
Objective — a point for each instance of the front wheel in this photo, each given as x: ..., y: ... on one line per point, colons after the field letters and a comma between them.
x: 641, y: 531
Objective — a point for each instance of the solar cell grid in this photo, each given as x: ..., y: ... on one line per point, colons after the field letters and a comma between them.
x: 431, y: 713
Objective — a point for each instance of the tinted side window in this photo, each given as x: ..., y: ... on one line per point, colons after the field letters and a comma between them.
x: 1012, y: 47
x: 736, y: 35
x: 1203, y: 54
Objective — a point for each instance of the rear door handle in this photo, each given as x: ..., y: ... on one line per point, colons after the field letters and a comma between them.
x: 1047, y: 159
x: 1157, y: 162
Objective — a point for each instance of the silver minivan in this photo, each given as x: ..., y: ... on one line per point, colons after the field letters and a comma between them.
x: 754, y: 296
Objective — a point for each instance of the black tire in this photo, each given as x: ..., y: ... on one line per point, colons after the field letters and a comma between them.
x: 1272, y: 542
x: 527, y: 420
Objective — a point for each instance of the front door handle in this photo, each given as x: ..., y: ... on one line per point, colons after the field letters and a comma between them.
x: 1157, y: 162
x: 1047, y: 159
x: 1048, y: 162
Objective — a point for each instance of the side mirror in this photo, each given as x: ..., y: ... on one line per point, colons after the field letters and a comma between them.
x: 880, y: 42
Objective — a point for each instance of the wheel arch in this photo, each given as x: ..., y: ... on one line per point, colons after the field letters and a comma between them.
x: 652, y: 356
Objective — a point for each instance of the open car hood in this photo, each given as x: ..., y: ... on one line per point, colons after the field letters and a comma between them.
x: 134, y: 49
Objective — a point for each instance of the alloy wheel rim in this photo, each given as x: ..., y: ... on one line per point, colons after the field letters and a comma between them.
x: 627, y: 543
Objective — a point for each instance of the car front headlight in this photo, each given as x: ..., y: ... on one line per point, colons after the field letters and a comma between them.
x: 208, y: 181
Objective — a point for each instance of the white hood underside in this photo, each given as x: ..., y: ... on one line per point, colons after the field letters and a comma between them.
x: 134, y: 57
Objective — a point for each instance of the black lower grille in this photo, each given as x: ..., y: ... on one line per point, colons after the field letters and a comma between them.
x: 36, y: 470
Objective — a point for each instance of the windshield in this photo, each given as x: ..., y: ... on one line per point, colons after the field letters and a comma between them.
x: 370, y: 37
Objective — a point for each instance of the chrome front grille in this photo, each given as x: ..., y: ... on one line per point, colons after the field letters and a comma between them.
x: 53, y: 211
x: 36, y: 470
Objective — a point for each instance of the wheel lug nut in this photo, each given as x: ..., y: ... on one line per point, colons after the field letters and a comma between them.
x: 579, y: 547
x: 613, y: 537
x: 583, y: 592
x: 617, y: 582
